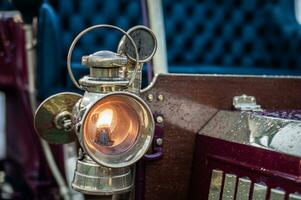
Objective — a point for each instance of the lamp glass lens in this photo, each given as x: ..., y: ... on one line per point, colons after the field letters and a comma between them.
x: 111, y: 126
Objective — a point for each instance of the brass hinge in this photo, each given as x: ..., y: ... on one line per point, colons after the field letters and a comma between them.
x: 246, y: 103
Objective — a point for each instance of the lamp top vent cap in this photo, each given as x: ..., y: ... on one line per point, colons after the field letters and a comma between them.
x: 104, y: 59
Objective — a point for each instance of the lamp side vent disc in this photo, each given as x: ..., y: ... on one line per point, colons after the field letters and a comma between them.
x: 53, y: 118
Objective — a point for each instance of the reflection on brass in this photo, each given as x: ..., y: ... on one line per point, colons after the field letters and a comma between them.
x: 294, y: 197
x: 91, y: 178
x: 111, y: 126
x: 259, y: 192
x: 45, y: 121
x: 104, y: 59
x: 246, y: 103
x: 92, y: 84
x: 145, y: 40
x: 243, y: 189
x: 215, y: 185
x: 159, y: 141
x: 150, y: 97
x: 117, y: 129
x: 159, y: 119
x: 160, y: 97
x: 229, y: 187
x: 277, y: 194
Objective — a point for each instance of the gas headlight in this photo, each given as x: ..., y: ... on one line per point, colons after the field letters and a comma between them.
x: 117, y: 130
x: 112, y: 124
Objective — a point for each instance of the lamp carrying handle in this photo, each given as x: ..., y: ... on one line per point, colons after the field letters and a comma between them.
x: 69, y: 57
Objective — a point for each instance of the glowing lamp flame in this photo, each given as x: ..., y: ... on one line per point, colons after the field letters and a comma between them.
x: 118, y: 125
x: 105, y: 118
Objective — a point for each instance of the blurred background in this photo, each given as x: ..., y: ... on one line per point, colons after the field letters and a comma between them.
x: 243, y: 37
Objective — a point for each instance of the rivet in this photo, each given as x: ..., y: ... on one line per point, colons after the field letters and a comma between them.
x: 159, y: 119
x: 160, y: 97
x: 150, y: 97
x: 159, y: 141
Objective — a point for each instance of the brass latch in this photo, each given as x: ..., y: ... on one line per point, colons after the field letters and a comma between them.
x: 246, y: 103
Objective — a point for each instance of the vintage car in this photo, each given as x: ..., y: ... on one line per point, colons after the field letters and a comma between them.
x: 202, y: 101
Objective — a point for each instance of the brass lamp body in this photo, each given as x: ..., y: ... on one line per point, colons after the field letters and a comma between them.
x: 113, y: 125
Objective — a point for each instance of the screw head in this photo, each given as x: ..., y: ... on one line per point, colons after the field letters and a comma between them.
x: 160, y: 97
x: 159, y: 119
x: 159, y: 141
x: 150, y: 97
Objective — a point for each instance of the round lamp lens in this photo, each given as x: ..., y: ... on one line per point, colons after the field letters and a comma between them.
x: 111, y: 126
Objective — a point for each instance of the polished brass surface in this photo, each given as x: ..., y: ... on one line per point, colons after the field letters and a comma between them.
x: 246, y: 103
x: 159, y: 119
x: 135, y: 87
x: 229, y: 187
x: 294, y: 197
x: 215, y: 185
x: 136, y: 129
x: 259, y: 192
x: 145, y: 41
x: 150, y: 97
x: 105, y: 65
x: 160, y: 97
x: 86, y: 59
x: 104, y: 59
x: 63, y: 121
x: 243, y: 189
x: 111, y: 126
x: 92, y: 84
x: 94, y: 179
x: 277, y: 194
x: 105, y: 73
x: 159, y: 141
x: 48, y: 115
x: 114, y: 126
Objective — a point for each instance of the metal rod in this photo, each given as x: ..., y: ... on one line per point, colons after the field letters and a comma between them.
x: 69, y: 57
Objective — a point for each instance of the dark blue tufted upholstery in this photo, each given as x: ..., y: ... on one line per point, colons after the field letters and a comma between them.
x: 233, y: 36
x: 59, y: 26
x: 205, y: 36
x: 78, y: 15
